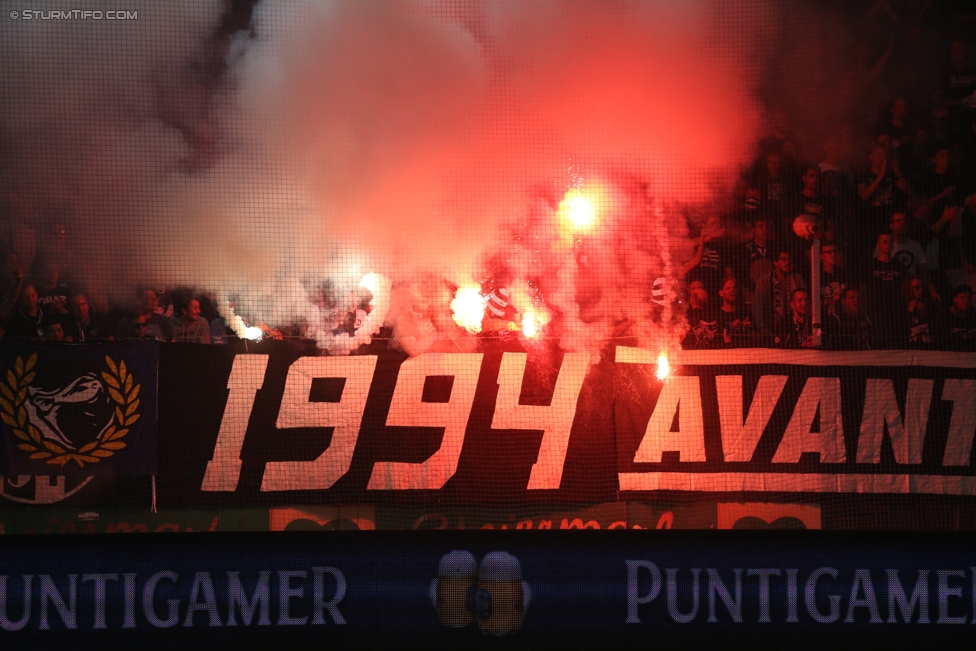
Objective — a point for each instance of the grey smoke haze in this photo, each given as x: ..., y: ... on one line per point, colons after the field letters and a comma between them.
x: 403, y: 138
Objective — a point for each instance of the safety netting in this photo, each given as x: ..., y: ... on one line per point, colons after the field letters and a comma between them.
x: 453, y: 264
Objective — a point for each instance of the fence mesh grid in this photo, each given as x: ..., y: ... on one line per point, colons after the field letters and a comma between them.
x: 493, y: 264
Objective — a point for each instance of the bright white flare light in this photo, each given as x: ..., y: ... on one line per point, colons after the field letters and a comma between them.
x: 468, y: 308
x: 663, y: 368
x: 252, y: 333
x: 369, y: 282
x: 578, y: 209
x: 532, y: 323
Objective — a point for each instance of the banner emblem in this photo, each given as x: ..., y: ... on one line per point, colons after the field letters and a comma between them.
x: 83, y: 422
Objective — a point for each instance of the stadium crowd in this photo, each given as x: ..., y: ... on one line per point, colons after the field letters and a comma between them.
x: 891, y: 192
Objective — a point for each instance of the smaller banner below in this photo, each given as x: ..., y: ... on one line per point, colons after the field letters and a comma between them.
x: 82, y: 410
x: 468, y: 589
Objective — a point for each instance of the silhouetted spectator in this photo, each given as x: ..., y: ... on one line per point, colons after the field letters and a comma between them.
x: 883, y: 287
x: 838, y: 200
x: 164, y: 302
x: 82, y: 325
x: 959, y: 83
x: 188, y: 325
x: 833, y: 280
x: 733, y: 317
x: 850, y: 328
x: 25, y: 319
x: 938, y: 183
x: 917, y: 156
x: 133, y: 326
x: 795, y: 331
x: 960, y: 328
x: 808, y: 202
x: 753, y: 259
x: 52, y: 291
x: 882, y: 190
x: 909, y: 253
x: 935, y: 232
x: 714, y: 265
x: 832, y: 163
x: 218, y: 325
x: 896, y: 126
x: 157, y: 326
x: 967, y: 237
x: 919, y: 315
x: 702, y: 320
x: 53, y: 330
x: 750, y: 207
x: 775, y: 187
x: 770, y: 305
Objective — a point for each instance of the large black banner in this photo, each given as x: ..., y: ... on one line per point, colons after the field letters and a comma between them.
x: 767, y: 421
x: 284, y: 426
x: 278, y: 424
x: 507, y: 426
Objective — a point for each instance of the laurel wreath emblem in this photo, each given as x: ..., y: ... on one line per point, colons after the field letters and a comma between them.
x: 122, y: 388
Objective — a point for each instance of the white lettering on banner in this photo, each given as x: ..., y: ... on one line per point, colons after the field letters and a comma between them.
x: 810, y: 597
x: 633, y: 598
x: 962, y: 427
x: 149, y: 599
x: 555, y: 421
x: 689, y: 440
x: 862, y: 583
x: 764, y: 573
x: 345, y: 416
x: 100, y: 580
x: 717, y: 587
x: 944, y: 592
x: 319, y: 603
x: 739, y: 440
x: 672, y: 591
x: 54, y: 598
x: 407, y: 409
x: 920, y: 598
x: 258, y: 604
x: 828, y: 443
x: 129, y: 596
x: 6, y: 623
x: 828, y: 593
x: 202, y: 584
x: 285, y: 594
x: 67, y: 611
x: 881, y: 411
x: 246, y: 377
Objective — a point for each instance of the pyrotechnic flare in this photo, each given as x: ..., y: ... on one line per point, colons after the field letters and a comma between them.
x: 468, y: 308
x: 252, y: 333
x: 663, y: 367
x: 370, y: 281
x: 529, y: 325
x: 578, y: 210
x: 533, y: 321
